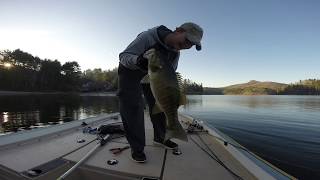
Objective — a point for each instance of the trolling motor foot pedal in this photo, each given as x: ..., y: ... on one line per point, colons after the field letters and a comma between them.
x: 176, y: 152
x: 112, y: 162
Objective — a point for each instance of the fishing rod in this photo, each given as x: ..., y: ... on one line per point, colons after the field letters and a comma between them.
x: 102, y: 142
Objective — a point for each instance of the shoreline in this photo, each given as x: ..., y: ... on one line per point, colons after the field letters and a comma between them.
x: 27, y: 92
x: 113, y: 93
x: 7, y: 93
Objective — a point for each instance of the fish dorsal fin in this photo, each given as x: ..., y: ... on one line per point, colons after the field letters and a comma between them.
x: 182, y: 97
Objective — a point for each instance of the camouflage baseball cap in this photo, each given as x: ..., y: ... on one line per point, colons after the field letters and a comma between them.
x: 194, y: 33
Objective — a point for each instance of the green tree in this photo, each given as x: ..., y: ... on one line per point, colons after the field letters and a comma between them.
x: 71, y: 74
x: 50, y: 75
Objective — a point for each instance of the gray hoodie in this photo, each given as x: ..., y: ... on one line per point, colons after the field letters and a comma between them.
x: 143, y: 42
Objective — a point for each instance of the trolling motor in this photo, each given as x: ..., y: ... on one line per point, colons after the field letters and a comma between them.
x: 195, y: 125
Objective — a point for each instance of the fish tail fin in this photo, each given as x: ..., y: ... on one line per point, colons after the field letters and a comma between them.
x: 177, y: 133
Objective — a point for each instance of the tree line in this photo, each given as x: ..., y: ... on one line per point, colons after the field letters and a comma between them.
x: 21, y: 71
x: 303, y: 87
x: 99, y: 80
x: 191, y: 87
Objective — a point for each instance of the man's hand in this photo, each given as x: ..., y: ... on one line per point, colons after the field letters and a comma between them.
x: 148, y: 54
x: 142, y: 60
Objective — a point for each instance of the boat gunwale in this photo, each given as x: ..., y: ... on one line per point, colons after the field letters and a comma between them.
x: 35, y: 135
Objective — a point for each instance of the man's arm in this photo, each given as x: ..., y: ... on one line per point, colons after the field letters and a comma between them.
x: 130, y: 57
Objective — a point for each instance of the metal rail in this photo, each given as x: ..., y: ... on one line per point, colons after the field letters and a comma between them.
x: 103, y: 141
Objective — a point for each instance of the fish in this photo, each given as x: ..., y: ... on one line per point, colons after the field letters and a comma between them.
x: 167, y: 89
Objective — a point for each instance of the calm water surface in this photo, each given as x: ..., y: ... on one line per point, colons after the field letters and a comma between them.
x: 24, y: 112
x: 285, y: 130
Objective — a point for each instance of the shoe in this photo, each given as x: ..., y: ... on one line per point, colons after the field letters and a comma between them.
x: 168, y: 144
x: 138, y: 156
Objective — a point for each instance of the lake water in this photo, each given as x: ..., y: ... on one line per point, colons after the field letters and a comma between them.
x: 285, y: 130
x: 24, y: 112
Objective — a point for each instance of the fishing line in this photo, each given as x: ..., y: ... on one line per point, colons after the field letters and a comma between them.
x: 190, y: 130
x: 215, y: 157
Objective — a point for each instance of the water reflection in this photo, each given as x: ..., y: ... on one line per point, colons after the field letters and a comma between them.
x: 205, y: 102
x: 5, y: 117
x: 23, y: 112
x: 192, y: 101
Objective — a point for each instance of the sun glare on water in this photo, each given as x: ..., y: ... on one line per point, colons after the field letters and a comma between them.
x: 7, y: 65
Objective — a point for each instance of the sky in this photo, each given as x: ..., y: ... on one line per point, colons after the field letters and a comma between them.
x: 271, y: 40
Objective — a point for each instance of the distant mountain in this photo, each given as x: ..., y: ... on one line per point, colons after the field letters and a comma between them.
x: 255, y: 88
x: 250, y: 88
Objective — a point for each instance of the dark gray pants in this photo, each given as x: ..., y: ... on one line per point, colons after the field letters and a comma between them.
x: 132, y: 105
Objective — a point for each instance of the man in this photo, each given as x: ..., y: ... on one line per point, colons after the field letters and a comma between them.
x: 133, y: 67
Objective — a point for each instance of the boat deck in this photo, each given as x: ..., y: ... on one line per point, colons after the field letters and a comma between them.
x: 54, y: 154
x: 193, y: 163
